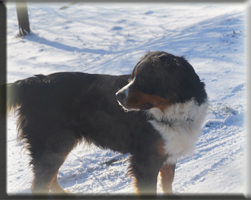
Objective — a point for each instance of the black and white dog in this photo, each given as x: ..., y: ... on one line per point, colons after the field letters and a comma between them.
x: 57, y: 111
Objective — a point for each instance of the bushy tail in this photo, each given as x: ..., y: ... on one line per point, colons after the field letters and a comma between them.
x: 3, y: 96
x: 11, y: 96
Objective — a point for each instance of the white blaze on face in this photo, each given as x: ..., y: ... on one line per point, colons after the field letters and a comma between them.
x: 125, y: 90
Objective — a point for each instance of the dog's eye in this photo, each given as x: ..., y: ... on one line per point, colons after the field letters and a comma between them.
x: 142, y: 79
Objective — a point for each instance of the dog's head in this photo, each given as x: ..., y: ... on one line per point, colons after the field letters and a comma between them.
x: 159, y: 80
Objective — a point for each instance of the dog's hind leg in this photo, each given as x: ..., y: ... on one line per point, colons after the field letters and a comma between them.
x: 167, y: 176
x: 44, y: 170
x: 47, y: 161
x: 56, y: 188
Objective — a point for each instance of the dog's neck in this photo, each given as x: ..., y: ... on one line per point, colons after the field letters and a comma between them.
x: 179, y: 126
x: 161, y: 121
x: 176, y: 113
x: 166, y: 122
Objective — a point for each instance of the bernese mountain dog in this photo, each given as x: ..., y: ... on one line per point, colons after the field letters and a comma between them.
x: 155, y: 114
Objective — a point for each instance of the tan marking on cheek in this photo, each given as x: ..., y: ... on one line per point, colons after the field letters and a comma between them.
x: 136, y: 99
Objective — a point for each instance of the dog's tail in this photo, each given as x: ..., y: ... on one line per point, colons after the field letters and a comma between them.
x: 3, y: 97
x: 13, y: 95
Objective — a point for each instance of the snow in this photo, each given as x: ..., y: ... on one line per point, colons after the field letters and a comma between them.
x: 110, y: 39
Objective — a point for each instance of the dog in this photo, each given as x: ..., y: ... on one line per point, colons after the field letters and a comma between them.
x: 155, y: 114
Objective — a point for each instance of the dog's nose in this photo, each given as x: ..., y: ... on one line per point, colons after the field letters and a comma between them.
x: 120, y: 96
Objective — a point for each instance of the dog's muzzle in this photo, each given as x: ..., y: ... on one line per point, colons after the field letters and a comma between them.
x: 121, y: 97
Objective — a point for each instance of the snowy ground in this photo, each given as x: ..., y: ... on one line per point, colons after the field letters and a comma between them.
x: 110, y: 38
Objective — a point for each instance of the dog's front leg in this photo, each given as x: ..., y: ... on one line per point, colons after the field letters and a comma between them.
x: 145, y: 171
x: 167, y: 176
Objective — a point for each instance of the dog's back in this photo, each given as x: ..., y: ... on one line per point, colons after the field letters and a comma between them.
x: 83, y: 103
x: 56, y: 111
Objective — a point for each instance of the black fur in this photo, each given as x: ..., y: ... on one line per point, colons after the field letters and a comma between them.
x: 61, y: 109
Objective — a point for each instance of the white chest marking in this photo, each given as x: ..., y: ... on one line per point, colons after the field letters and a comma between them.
x: 184, y: 129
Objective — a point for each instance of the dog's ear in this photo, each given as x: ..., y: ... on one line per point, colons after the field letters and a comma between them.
x: 168, y: 60
x: 163, y: 57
